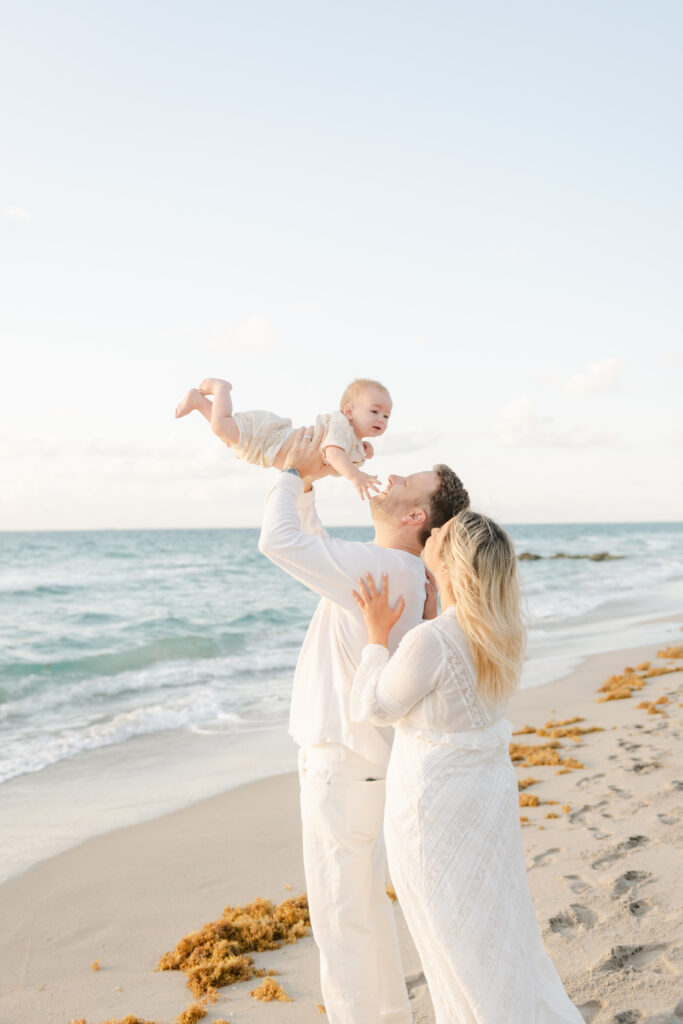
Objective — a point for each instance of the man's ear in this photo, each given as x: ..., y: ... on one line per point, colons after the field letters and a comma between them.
x: 416, y: 517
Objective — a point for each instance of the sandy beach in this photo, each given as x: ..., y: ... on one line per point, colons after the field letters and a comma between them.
x: 603, y: 847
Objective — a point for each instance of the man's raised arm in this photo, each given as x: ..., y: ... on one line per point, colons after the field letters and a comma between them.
x: 327, y: 566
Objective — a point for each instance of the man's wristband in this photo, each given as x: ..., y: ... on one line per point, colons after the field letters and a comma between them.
x: 291, y: 469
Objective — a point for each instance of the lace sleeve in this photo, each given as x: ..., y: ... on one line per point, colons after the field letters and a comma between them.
x: 385, y: 689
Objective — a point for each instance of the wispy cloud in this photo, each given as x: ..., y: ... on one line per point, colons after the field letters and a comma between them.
x: 401, y: 444
x: 517, y: 424
x: 598, y: 379
x: 14, y: 217
x: 257, y: 331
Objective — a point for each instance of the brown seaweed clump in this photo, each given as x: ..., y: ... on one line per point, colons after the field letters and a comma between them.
x: 525, y: 783
x: 95, y: 965
x: 540, y: 754
x: 191, y: 1014
x: 565, y: 721
x: 671, y: 652
x: 216, y: 955
x: 270, y: 990
x: 662, y: 670
x: 321, y: 1008
x: 528, y: 800
x: 524, y: 730
x: 651, y: 708
x: 574, y: 732
x: 551, y: 814
x: 620, y: 687
x: 391, y: 893
x: 129, y: 1019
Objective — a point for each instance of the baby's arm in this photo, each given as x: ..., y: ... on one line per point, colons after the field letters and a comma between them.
x: 340, y: 461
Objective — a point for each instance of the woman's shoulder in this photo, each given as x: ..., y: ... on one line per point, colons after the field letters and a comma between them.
x: 422, y: 638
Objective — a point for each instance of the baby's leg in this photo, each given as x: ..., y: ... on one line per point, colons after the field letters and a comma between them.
x: 222, y: 423
x: 194, y: 399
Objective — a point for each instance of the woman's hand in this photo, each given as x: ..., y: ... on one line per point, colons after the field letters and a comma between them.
x: 378, y: 614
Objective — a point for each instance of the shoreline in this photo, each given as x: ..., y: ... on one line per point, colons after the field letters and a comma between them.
x: 127, y: 896
x: 96, y: 791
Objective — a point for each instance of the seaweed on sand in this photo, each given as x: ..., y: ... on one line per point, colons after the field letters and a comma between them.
x: 525, y: 783
x: 217, y: 954
x: 620, y: 687
x: 191, y: 1014
x: 542, y: 753
x: 671, y: 652
x: 270, y: 990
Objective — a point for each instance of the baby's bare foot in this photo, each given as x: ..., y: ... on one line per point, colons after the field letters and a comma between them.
x: 192, y: 400
x: 210, y: 385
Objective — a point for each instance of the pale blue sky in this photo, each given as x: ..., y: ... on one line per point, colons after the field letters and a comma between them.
x: 480, y: 204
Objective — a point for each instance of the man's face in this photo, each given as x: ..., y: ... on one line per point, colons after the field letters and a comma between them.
x: 404, y: 493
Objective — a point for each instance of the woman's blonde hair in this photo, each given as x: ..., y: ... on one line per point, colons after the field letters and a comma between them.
x: 481, y: 563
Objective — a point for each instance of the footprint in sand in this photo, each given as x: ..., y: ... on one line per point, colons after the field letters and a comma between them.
x: 589, y: 1010
x: 587, y: 779
x: 547, y: 857
x: 597, y: 834
x: 618, y: 851
x: 623, y: 957
x: 638, y: 908
x: 643, y: 767
x: 566, y: 922
x: 623, y: 793
x: 577, y: 884
x: 627, y: 881
x: 627, y: 1017
x: 629, y: 745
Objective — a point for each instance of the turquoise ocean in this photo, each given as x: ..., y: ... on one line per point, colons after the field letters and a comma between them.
x: 109, y: 635
x: 141, y: 670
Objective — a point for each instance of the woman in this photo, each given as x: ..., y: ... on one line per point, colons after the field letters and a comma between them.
x: 452, y: 813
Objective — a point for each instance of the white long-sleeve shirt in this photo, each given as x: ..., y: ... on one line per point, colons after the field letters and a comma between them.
x: 431, y: 682
x: 293, y: 538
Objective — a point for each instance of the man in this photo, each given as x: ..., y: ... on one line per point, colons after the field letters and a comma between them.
x: 342, y: 764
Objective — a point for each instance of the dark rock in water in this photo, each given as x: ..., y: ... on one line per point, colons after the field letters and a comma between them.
x: 597, y: 556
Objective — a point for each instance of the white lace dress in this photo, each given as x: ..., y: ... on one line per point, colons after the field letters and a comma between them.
x: 453, y: 835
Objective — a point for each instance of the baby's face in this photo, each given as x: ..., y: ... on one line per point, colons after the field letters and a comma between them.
x: 369, y: 414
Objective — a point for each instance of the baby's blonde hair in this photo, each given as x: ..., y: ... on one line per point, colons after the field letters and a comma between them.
x: 356, y: 388
x: 481, y: 563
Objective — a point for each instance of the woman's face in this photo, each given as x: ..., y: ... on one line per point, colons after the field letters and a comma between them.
x: 431, y: 552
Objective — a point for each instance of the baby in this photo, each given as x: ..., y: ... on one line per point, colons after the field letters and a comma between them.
x: 264, y: 439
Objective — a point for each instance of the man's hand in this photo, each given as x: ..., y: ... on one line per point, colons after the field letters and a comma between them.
x: 430, y: 608
x: 304, y: 454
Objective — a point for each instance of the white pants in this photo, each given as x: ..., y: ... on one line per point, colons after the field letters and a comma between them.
x: 342, y: 808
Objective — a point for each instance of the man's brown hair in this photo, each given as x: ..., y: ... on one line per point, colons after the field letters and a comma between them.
x: 449, y: 498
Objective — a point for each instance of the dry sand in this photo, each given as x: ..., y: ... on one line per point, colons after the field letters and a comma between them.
x: 605, y: 876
